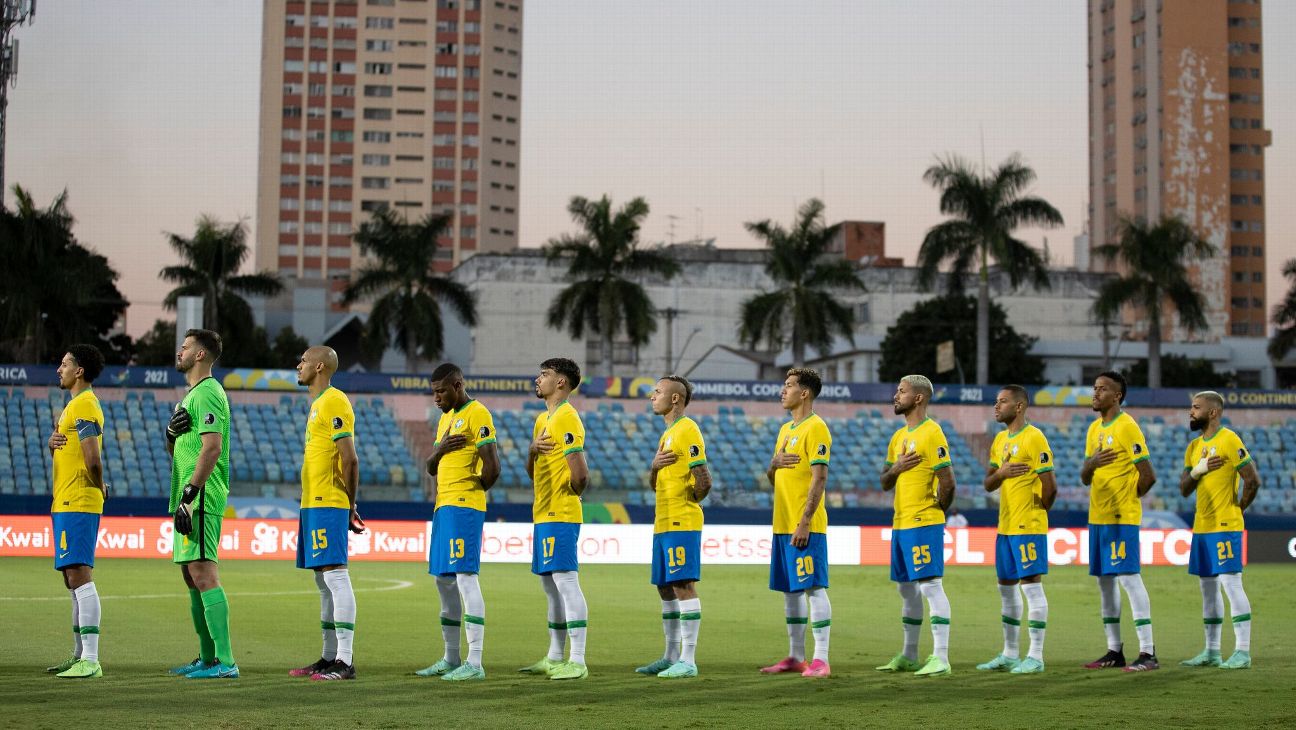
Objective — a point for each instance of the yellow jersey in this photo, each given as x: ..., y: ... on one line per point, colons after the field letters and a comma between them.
x: 330, y: 419
x: 74, y: 491
x: 458, y: 476
x: 1021, y: 506
x: 1217, y: 504
x: 1113, y: 493
x: 554, y: 499
x: 810, y: 440
x: 676, y: 508
x: 915, y: 490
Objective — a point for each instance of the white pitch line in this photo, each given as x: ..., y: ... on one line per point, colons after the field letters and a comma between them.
x: 396, y: 585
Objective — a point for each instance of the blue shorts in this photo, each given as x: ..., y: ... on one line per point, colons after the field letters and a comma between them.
x: 677, y: 556
x: 75, y: 535
x: 1020, y: 556
x: 554, y: 550
x: 795, y: 569
x: 322, y: 536
x: 917, y: 553
x: 456, y: 541
x: 1215, y: 553
x: 1113, y: 549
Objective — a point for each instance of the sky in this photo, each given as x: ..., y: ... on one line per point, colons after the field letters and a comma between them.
x: 717, y: 113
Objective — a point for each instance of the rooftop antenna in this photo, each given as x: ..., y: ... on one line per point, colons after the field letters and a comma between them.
x: 13, y: 13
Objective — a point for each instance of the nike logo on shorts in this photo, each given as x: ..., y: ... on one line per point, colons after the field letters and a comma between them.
x: 1027, y: 565
x: 316, y: 554
x: 62, y: 555
x: 676, y: 570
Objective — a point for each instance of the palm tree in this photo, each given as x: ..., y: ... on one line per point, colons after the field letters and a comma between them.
x: 53, y: 290
x: 1285, y: 317
x: 803, y: 309
x: 210, y: 262
x: 604, y: 262
x: 985, y: 209
x: 407, y: 294
x: 1154, y: 260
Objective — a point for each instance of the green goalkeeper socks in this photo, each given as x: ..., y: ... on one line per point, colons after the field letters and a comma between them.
x: 216, y: 611
x: 206, y: 648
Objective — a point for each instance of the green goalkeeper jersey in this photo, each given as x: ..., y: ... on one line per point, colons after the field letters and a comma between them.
x: 209, y: 413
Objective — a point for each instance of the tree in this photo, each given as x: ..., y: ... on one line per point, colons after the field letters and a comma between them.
x: 985, y: 209
x: 407, y: 294
x: 1179, y: 371
x: 1284, y: 317
x: 158, y: 345
x: 803, y: 309
x: 1153, y: 259
x: 210, y: 262
x: 604, y: 264
x: 288, y: 348
x: 53, y: 290
x: 910, y: 344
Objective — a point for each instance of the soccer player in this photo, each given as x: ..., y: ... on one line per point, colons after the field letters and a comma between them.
x: 918, y: 469
x: 465, y: 463
x: 1212, y: 465
x: 329, y: 475
x: 1118, y: 473
x: 198, y: 441
x: 681, y: 480
x: 556, y: 465
x: 79, y: 492
x: 1021, y: 469
x: 798, y: 472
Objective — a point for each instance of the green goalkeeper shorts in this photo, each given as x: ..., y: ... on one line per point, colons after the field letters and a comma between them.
x: 203, y: 543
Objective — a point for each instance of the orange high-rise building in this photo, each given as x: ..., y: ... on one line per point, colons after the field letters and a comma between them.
x: 410, y: 104
x: 1176, y: 127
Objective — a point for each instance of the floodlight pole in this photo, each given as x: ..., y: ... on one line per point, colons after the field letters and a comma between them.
x: 13, y: 13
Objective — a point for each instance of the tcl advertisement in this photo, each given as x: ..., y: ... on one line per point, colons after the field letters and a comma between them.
x: 511, y: 542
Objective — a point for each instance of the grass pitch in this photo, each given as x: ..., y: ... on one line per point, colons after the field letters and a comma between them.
x: 274, y: 607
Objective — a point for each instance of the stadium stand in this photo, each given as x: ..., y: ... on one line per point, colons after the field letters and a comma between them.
x: 267, y: 438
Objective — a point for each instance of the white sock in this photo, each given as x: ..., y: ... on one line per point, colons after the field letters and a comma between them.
x: 1037, y: 614
x: 576, y: 611
x: 1141, y: 607
x: 1010, y: 603
x: 344, y: 612
x: 76, y: 625
x: 1109, y: 597
x: 911, y: 617
x: 87, y: 598
x: 690, y: 623
x: 474, y: 615
x: 1212, y: 611
x: 939, y: 609
x: 820, y: 620
x: 1240, y: 608
x: 557, y: 618
x: 329, y: 651
x: 451, y: 617
x: 797, y: 616
x: 671, y: 629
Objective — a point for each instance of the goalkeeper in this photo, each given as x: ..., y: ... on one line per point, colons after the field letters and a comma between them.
x: 198, y: 440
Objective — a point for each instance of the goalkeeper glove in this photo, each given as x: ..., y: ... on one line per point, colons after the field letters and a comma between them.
x: 179, y: 424
x: 184, y: 513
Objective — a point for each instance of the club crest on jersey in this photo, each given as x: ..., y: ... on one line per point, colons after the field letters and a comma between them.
x: 792, y: 441
x: 1109, y: 440
x: 1138, y: 448
x: 823, y: 449
x: 1212, y: 451
x: 1014, y: 450
x: 1241, y: 453
x: 483, y: 432
x: 569, y: 438
x: 313, y: 414
x: 668, y: 443
x: 337, y: 422
x: 458, y: 423
x: 913, y: 446
x: 1044, y: 457
x: 941, y: 452
x: 694, y: 450
x: 209, y: 419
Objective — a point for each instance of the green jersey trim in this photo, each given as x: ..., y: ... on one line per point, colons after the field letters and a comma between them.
x: 920, y: 423
x: 1043, y: 469
x: 819, y: 461
x: 343, y: 435
x: 696, y: 464
x: 465, y: 405
x: 483, y: 442
x: 573, y: 450
x: 940, y: 466
x: 1141, y: 458
x: 321, y: 394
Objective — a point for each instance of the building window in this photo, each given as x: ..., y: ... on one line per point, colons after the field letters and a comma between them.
x: 343, y: 158
x: 287, y: 226
x: 344, y: 90
x: 378, y: 69
x: 370, y: 90
x: 340, y: 206
x: 340, y: 229
x: 409, y: 181
x: 380, y: 23
x: 287, y: 204
x: 371, y: 113
x: 376, y: 160
x: 375, y: 183
x: 369, y: 206
x: 379, y: 137
x: 447, y: 72
x: 314, y: 204
x: 340, y: 181
x: 378, y: 45
x: 339, y: 135
x: 344, y: 67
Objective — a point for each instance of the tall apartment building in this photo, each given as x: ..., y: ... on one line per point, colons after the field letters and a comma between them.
x: 1176, y: 126
x: 410, y: 104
